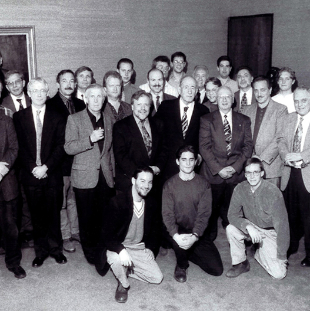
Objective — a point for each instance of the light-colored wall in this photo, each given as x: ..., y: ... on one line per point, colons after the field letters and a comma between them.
x: 71, y: 33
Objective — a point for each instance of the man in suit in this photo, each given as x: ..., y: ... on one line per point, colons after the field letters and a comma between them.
x: 294, y: 149
x: 84, y: 76
x: 89, y: 140
x: 178, y: 65
x: 245, y: 96
x: 17, y: 99
x: 224, y: 68
x: 137, y: 141
x: 201, y: 74
x: 162, y: 63
x: 225, y: 142
x: 266, y: 116
x: 181, y: 119
x: 125, y: 69
x: 114, y: 107
x: 156, y: 82
x: 9, y: 195
x: 40, y: 132
x: 65, y: 104
x: 131, y: 235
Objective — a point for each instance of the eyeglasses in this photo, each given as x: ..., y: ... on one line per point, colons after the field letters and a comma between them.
x: 17, y: 82
x: 250, y: 174
x: 35, y: 91
x: 176, y: 62
x: 222, y: 97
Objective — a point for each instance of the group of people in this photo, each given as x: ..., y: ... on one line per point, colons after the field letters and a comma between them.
x: 130, y: 172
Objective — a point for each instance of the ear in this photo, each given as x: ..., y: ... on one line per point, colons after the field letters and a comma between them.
x: 218, y: 68
x: 133, y: 181
x: 177, y: 161
x: 24, y: 83
x: 262, y: 173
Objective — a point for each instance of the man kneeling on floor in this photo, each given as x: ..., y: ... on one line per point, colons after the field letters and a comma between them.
x: 131, y: 234
x: 186, y: 209
x: 257, y: 212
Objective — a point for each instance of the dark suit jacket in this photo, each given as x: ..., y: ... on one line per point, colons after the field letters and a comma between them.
x: 8, y: 102
x: 212, y: 146
x: 197, y: 99
x: 169, y: 113
x: 8, y: 153
x: 130, y: 151
x: 57, y: 104
x: 237, y: 102
x: 52, y: 146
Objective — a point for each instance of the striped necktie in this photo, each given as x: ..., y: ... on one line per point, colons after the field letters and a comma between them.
x: 184, y: 122
x: 227, y: 133
x: 298, y: 136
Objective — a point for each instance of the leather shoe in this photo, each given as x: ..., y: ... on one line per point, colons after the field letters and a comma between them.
x: 180, y: 274
x: 121, y: 294
x: 305, y: 262
x: 18, y: 271
x: 238, y: 269
x: 68, y: 246
x: 60, y: 258
x: 38, y: 262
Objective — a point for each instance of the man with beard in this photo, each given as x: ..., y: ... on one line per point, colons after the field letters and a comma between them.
x: 65, y: 104
x: 156, y: 82
x: 131, y: 235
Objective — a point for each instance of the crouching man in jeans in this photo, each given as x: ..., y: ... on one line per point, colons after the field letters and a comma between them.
x: 132, y: 234
x: 257, y: 212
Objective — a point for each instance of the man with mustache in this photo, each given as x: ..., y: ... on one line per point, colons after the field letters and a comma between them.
x: 64, y: 103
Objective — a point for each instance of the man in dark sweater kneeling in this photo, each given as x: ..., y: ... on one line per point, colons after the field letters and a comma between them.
x: 186, y: 209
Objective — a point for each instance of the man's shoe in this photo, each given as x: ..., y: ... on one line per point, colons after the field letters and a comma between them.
x: 38, y: 262
x: 305, y: 262
x: 121, y: 294
x: 238, y: 269
x: 68, y: 246
x: 75, y: 237
x: 19, y: 272
x: 180, y: 274
x: 60, y: 258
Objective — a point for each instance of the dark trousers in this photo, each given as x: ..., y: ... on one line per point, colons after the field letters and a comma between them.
x: 297, y: 200
x: 221, y: 196
x: 45, y: 205
x: 91, y: 204
x: 203, y: 253
x: 8, y: 223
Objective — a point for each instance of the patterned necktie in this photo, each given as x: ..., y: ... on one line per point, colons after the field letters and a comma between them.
x: 39, y: 136
x: 244, y: 102
x: 184, y: 122
x: 157, y: 102
x: 298, y: 136
x: 146, y: 138
x: 227, y: 133
x: 21, y: 107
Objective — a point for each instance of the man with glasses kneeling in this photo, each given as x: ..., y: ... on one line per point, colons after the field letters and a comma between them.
x: 257, y: 212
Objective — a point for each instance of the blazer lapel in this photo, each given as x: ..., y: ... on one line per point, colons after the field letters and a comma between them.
x: 46, y: 130
x: 136, y: 134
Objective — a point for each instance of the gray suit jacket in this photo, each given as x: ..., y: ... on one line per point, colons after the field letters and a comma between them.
x: 238, y: 102
x: 266, y: 146
x: 87, y: 158
x: 285, y: 143
x: 8, y: 102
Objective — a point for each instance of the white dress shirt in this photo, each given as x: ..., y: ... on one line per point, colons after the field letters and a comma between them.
x: 229, y: 118
x: 41, y: 115
x: 189, y: 111
x: 16, y: 103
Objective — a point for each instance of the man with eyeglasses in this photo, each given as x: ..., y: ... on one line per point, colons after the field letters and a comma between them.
x: 178, y: 64
x: 257, y: 212
x: 17, y: 99
x: 41, y: 137
x: 225, y: 143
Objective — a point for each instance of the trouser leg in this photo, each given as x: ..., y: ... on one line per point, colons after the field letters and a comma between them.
x: 236, y: 239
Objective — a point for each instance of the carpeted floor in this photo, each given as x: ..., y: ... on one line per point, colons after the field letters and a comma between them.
x: 76, y: 286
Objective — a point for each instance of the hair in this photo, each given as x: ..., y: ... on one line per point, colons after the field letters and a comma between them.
x: 187, y: 76
x: 262, y: 78
x: 8, y: 74
x: 33, y: 81
x: 62, y: 72
x: 222, y: 58
x: 111, y: 74
x: 225, y: 87
x: 140, y: 93
x: 186, y: 148
x: 124, y: 60
x: 160, y: 58
x: 215, y: 81
x: 203, y: 67
x: 81, y: 69
x: 139, y: 170
x: 153, y: 69
x: 178, y: 54
x: 303, y: 88
x: 245, y: 68
x: 95, y: 86
x: 254, y: 160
